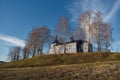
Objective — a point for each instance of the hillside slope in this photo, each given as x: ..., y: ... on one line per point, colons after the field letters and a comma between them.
x: 109, y: 70
x: 62, y: 59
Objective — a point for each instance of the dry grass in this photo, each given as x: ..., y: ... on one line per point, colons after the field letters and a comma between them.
x: 89, y: 71
x: 62, y: 59
x: 82, y: 66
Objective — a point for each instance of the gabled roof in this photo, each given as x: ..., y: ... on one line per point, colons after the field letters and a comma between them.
x: 76, y: 41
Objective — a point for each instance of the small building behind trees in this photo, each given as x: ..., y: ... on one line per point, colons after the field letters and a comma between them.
x: 74, y: 46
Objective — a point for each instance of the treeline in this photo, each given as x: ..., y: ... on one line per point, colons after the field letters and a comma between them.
x: 90, y: 27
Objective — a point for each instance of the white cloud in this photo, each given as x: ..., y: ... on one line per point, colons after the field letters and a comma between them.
x: 13, y: 40
x: 116, y: 46
x: 114, y: 9
x: 108, y: 8
x: 105, y: 6
x: 3, y: 58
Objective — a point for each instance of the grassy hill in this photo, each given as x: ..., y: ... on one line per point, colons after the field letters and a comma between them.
x: 62, y: 59
x: 108, y: 70
x: 81, y: 66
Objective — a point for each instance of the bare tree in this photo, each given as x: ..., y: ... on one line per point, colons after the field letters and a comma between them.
x: 63, y: 31
x: 102, y: 32
x: 14, y: 53
x: 49, y: 42
x: 11, y: 55
x: 107, y: 36
x: 26, y: 52
x: 31, y: 41
x: 44, y: 38
x: 85, y: 21
x: 37, y: 39
x: 79, y: 33
x: 98, y: 30
x: 18, y: 51
x: 98, y: 35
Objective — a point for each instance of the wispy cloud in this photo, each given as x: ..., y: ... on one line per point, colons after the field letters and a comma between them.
x: 114, y: 9
x: 116, y: 45
x: 13, y: 40
x: 107, y: 8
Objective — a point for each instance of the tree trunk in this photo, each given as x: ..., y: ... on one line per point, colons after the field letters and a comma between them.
x: 34, y: 51
x: 64, y: 47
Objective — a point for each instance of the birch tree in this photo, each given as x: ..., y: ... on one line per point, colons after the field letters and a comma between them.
x: 63, y: 31
x: 96, y: 30
x: 85, y: 21
x: 79, y: 34
x: 107, y: 36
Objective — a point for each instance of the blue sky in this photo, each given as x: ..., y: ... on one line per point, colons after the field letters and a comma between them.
x: 18, y: 17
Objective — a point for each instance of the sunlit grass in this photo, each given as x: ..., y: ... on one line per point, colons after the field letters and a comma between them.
x: 62, y: 59
x: 108, y: 70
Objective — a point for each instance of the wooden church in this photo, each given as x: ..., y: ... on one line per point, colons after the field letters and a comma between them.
x: 74, y: 46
